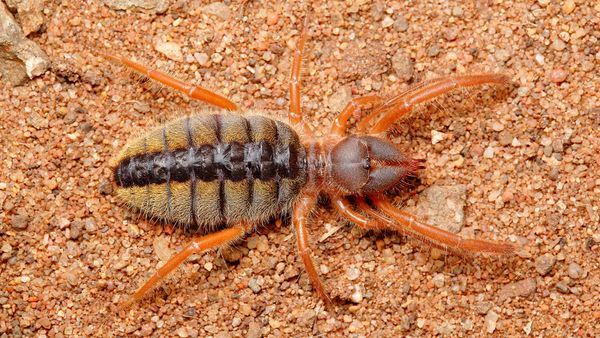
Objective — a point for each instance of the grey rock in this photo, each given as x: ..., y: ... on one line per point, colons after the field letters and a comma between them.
x: 443, y: 206
x: 544, y: 264
x: 522, y: 288
x: 157, y: 6
x: 217, y: 9
x: 20, y: 58
x: 403, y: 65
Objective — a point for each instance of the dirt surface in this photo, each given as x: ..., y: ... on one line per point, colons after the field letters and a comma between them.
x: 526, y: 157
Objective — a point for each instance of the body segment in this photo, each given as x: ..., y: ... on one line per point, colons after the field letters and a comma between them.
x: 212, y: 170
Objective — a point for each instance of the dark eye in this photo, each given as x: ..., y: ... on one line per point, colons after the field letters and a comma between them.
x: 366, y: 163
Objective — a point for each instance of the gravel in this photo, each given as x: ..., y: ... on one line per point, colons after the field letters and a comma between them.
x: 61, y: 128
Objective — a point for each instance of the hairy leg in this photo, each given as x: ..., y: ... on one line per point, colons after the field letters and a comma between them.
x: 191, y: 90
x: 299, y: 221
x: 200, y: 244
x: 436, y: 236
x: 295, y: 113
x: 397, y: 106
x: 356, y: 104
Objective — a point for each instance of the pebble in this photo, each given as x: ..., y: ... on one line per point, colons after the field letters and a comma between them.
x: 438, y: 280
x: 502, y: 55
x: 497, y: 126
x: 489, y: 152
x: 433, y: 51
x: 387, y: 22
x: 443, y: 206
x: 505, y: 138
x: 353, y: 273
x: 563, y: 286
x: 6, y: 248
x: 158, y: 6
x: 539, y: 58
x: 522, y: 288
x: 217, y: 9
x: 558, y: 44
x: 202, y: 59
x: 272, y: 18
x: 253, y: 285
x: 450, y: 34
x: 544, y: 264
x: 161, y: 248
x: 357, y: 295
x: 437, y: 137
x: 75, y: 230
x: 557, y: 75
x: 236, y: 321
x: 401, y: 25
x: 457, y: 12
x: 19, y: 222
x: 254, y: 330
x: 490, y: 321
x: 568, y: 6
x: 403, y: 65
x: 170, y: 49
x: 574, y: 270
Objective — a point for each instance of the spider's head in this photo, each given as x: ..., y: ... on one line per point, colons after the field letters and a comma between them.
x: 368, y: 164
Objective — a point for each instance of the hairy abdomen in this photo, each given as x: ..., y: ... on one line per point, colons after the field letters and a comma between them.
x: 210, y: 171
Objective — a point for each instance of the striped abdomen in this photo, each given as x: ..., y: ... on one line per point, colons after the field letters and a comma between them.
x: 207, y: 171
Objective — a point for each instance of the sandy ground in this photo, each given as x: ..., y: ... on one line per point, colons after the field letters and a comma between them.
x: 527, y: 155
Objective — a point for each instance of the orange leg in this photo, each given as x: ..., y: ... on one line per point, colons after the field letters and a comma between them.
x: 339, y: 125
x: 191, y: 90
x: 397, y: 106
x: 295, y: 113
x: 438, y: 237
x: 299, y: 220
x: 345, y: 209
x: 200, y: 244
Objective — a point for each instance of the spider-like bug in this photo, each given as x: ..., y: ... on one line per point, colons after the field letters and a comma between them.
x: 223, y: 174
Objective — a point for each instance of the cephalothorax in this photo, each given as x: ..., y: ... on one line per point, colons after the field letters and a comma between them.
x: 223, y: 174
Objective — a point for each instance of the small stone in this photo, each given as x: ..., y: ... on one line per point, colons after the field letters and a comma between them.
x: 539, y: 58
x: 438, y: 280
x: 558, y: 44
x: 45, y: 323
x: 90, y: 225
x: 574, y: 271
x: 254, y: 330
x: 158, y: 6
x: 170, y: 49
x: 75, y: 230
x: 433, y: 51
x: 253, y: 285
x: 353, y: 273
x: 133, y: 230
x: 216, y: 58
x: 272, y: 18
x: 401, y: 25
x: 6, y: 248
x: 443, y: 206
x: 563, y: 286
x: 437, y: 137
x: 252, y: 242
x: 387, y: 22
x: 263, y: 243
x: 450, y: 34
x: 19, y: 222
x: 505, y: 138
x: 457, y: 12
x: 489, y: 152
x: 544, y: 264
x: 208, y: 266
x: 527, y: 328
x: 568, y: 6
x: 182, y: 332
x: 522, y: 288
x: 217, y: 9
x: 202, y: 59
x: 403, y: 65
x: 483, y: 307
x: 357, y: 295
x: 497, y: 126
x: 161, y: 248
x: 141, y: 107
x: 558, y: 75
x: 236, y: 321
x: 502, y: 55
x: 490, y: 321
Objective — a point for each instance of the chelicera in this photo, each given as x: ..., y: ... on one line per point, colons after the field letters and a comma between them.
x: 223, y: 174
